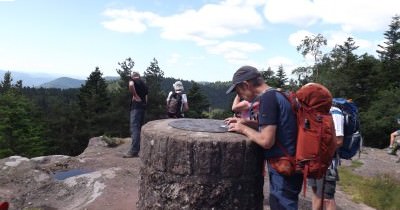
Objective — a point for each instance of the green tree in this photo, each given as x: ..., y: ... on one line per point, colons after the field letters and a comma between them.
x: 312, y: 45
x: 304, y: 75
x: 121, y: 100
x: 125, y: 71
x: 6, y: 84
x: 338, y: 70
x: 198, y: 102
x: 281, y: 78
x: 156, y: 97
x: 380, y: 118
x: 269, y: 77
x: 94, y: 104
x: 390, y: 55
x: 21, y: 131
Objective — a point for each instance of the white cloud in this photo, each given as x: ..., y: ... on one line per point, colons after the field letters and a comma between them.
x: 234, y: 52
x: 228, y: 46
x: 297, y: 12
x: 360, y: 15
x: 296, y: 38
x: 337, y: 38
x: 244, y: 2
x: 205, y: 26
x: 210, y: 22
x: 127, y: 20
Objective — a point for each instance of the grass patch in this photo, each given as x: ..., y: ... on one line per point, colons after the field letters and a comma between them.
x: 380, y: 192
x: 356, y: 164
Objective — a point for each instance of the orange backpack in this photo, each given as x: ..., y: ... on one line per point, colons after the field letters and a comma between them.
x: 316, y: 144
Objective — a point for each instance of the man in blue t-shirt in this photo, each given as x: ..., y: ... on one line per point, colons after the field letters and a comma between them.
x: 276, y: 123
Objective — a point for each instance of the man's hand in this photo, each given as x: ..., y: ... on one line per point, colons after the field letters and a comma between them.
x: 230, y: 120
x: 235, y: 124
x: 238, y: 127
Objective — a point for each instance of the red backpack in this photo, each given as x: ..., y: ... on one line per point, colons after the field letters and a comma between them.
x: 4, y: 205
x: 316, y: 144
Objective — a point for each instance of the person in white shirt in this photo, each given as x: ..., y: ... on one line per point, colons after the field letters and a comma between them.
x: 177, y: 102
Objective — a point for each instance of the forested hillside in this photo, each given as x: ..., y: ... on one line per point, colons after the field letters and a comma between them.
x: 39, y: 121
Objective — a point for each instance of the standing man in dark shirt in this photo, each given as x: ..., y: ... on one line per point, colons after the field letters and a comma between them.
x: 139, y: 92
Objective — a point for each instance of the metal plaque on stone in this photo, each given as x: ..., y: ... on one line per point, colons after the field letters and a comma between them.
x: 200, y: 125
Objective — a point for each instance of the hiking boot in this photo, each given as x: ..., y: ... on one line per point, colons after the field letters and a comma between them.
x: 131, y: 155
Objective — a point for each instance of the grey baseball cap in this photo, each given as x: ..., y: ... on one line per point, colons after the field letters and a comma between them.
x: 244, y: 73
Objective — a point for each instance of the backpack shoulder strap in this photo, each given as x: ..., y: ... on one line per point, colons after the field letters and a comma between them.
x: 335, y: 111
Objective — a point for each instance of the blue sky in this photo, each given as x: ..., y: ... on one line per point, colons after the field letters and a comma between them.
x: 204, y: 40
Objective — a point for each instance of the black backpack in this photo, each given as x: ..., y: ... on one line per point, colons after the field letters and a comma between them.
x: 174, y: 103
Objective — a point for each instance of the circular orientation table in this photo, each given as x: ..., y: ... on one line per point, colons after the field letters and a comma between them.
x: 196, y: 164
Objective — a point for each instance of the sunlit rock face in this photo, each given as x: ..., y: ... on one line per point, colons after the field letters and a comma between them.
x: 60, y: 182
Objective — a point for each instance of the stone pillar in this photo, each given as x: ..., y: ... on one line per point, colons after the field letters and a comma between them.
x: 195, y: 164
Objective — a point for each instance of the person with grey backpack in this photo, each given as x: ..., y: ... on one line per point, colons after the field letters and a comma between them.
x: 177, y: 102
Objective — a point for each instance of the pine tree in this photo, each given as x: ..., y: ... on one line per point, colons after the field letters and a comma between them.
x: 21, y: 130
x: 281, y: 78
x: 121, y: 99
x: 339, y: 72
x: 156, y: 97
x: 6, y: 84
x: 125, y: 71
x: 269, y: 77
x: 390, y: 54
x: 198, y: 102
x: 94, y: 103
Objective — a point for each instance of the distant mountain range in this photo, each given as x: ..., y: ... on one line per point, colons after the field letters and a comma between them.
x: 215, y: 92
x: 63, y: 83
x: 46, y: 80
x: 29, y: 79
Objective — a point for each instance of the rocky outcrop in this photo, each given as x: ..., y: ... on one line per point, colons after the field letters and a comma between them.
x: 97, y: 178
x: 100, y: 178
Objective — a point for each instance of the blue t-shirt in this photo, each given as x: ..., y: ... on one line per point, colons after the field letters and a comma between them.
x: 275, y: 109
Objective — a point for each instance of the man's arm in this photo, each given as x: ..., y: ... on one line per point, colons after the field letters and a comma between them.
x: 339, y: 141
x: 265, y: 138
x: 238, y: 105
x: 185, y: 107
x: 132, y: 89
x: 185, y: 103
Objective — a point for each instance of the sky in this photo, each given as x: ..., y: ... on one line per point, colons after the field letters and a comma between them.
x: 200, y: 40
